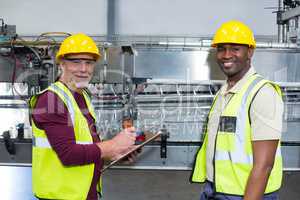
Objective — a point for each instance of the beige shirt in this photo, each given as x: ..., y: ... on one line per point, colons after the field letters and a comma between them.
x: 266, y: 114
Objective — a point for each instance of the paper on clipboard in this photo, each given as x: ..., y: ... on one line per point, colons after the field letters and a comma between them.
x: 131, y: 151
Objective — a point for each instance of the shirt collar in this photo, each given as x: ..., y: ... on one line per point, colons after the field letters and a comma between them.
x: 239, y: 84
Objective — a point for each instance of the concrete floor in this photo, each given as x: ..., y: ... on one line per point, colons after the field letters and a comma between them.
x: 171, y: 185
x: 121, y: 184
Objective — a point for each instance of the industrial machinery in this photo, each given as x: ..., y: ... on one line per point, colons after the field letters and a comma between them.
x: 181, y: 81
x: 288, y: 21
x: 7, y: 32
x: 162, y: 85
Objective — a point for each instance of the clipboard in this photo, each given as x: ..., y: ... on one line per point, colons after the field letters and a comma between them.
x: 156, y: 135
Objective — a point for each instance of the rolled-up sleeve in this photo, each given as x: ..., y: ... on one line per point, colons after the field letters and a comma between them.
x: 266, y: 114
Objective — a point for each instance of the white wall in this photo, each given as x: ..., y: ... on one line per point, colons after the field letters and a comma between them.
x: 33, y: 17
x: 193, y: 17
x: 138, y: 17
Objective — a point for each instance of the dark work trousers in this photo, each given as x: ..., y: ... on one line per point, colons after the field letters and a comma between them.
x: 208, y: 194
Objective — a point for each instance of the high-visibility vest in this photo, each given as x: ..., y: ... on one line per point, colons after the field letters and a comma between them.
x: 50, y: 178
x: 233, y: 156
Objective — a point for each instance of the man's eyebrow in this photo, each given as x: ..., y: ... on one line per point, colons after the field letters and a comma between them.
x: 87, y: 59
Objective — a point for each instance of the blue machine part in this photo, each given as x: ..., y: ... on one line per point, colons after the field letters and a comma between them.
x: 4, y: 38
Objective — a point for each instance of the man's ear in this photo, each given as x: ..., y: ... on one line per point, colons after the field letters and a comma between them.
x: 59, y: 70
x: 60, y: 67
x: 250, y: 53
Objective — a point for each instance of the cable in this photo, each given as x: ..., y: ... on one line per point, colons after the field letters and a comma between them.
x: 23, y: 43
x: 51, y: 35
x: 14, y: 56
x: 56, y: 33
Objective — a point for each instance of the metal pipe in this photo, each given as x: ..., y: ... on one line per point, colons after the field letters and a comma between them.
x: 111, y: 19
x: 183, y: 82
x: 285, y: 169
x: 288, y: 84
x: 207, y: 44
x: 285, y: 33
x: 206, y: 82
x: 280, y: 33
x: 201, y: 43
x: 280, y: 25
x: 275, y: 45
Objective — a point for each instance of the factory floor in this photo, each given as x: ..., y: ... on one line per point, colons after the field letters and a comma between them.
x: 121, y: 184
x: 171, y: 185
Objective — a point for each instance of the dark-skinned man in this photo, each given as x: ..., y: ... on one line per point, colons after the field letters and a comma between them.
x: 240, y: 157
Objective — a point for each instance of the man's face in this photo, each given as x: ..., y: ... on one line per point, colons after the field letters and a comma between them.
x: 77, y: 70
x: 234, y: 59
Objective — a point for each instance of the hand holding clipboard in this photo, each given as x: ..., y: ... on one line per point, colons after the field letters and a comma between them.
x: 132, y: 150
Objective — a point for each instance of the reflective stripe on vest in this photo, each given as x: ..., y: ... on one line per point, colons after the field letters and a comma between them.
x: 68, y: 101
x: 44, y: 143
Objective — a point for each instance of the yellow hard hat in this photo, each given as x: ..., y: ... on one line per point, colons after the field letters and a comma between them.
x: 234, y: 32
x: 78, y: 43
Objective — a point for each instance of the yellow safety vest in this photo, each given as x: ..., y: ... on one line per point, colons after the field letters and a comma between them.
x: 50, y: 178
x: 233, y: 157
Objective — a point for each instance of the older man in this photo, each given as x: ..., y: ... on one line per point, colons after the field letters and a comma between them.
x: 67, y: 151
